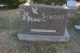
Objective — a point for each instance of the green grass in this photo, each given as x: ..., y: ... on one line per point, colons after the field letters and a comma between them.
x: 74, y: 20
x: 11, y: 23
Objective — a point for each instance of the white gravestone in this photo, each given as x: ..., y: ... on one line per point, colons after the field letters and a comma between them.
x: 72, y: 4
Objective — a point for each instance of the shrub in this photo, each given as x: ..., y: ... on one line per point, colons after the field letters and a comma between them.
x: 15, y: 3
x: 12, y: 3
x: 50, y: 2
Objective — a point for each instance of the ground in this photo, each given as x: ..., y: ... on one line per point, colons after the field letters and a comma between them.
x: 10, y: 23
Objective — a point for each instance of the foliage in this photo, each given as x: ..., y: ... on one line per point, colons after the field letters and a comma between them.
x: 15, y: 3
x: 50, y: 2
x: 11, y: 3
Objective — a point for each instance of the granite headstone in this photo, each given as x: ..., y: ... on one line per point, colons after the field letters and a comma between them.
x: 43, y: 23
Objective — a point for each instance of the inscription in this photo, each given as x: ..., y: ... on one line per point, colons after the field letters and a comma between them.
x: 26, y: 16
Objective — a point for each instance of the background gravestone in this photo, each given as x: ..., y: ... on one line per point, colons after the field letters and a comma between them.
x: 43, y: 22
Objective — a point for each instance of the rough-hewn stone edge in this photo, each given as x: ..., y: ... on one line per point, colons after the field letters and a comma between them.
x: 43, y: 5
x: 55, y: 38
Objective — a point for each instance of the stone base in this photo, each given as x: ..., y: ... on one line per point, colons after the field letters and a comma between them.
x: 54, y: 38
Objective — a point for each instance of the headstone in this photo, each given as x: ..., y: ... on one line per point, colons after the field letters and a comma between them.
x: 72, y: 4
x: 77, y: 27
x: 43, y: 23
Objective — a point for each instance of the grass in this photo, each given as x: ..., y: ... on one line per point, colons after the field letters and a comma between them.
x: 74, y: 33
x: 10, y: 24
x: 75, y: 20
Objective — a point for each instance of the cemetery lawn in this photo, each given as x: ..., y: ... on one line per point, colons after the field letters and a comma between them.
x: 10, y: 24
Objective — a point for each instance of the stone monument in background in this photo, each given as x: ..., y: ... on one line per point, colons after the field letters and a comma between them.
x: 43, y: 23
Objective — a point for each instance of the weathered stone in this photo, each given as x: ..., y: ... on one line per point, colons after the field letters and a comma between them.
x: 72, y: 4
x: 43, y: 23
x: 77, y: 27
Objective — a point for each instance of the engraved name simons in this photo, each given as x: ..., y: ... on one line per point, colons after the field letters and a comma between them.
x: 28, y: 18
